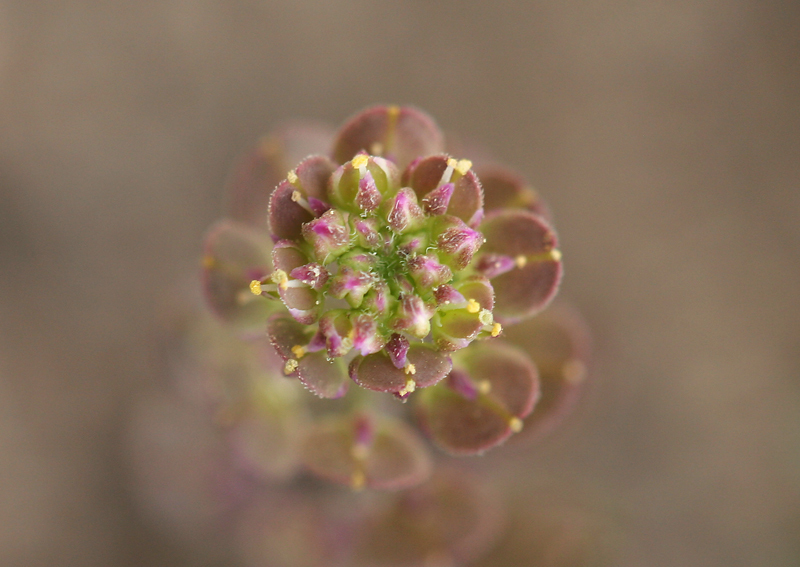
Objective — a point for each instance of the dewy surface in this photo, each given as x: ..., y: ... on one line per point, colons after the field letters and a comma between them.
x: 380, y: 265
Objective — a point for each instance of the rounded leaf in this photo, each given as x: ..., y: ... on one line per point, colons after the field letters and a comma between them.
x: 364, y: 451
x: 532, y: 245
x: 430, y: 174
x: 326, y: 378
x: 313, y: 174
x: 234, y: 256
x: 559, y: 342
x: 400, y: 134
x: 261, y: 169
x: 286, y: 215
x: 425, y: 366
x: 506, y: 189
x: 491, y: 389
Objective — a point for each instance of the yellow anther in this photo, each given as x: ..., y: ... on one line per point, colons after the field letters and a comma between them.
x: 358, y: 480
x: 520, y: 261
x: 297, y: 196
x: 555, y: 254
x: 281, y: 278
x: 208, y: 262
x: 409, y: 368
x: 393, y: 111
x: 473, y: 306
x: 484, y: 387
x: 452, y: 162
x: 515, y: 424
x: 298, y: 351
x: 360, y: 161
x: 291, y: 177
x: 290, y: 366
x: 497, y: 328
x: 463, y: 166
x: 486, y: 317
x: 410, y: 386
x: 255, y: 287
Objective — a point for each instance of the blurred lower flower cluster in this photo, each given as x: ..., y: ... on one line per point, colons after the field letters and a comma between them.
x: 381, y: 296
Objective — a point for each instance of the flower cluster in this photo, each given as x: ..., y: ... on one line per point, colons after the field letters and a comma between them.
x: 389, y: 263
x: 379, y: 259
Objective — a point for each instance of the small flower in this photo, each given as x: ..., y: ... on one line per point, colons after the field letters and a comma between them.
x: 386, y: 269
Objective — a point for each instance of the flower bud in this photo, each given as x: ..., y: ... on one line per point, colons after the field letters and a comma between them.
x: 313, y: 275
x: 436, y: 202
x: 402, y: 212
x: 397, y: 348
x: 413, y: 316
x: 368, y: 198
x: 456, y: 242
x: 351, y: 284
x: 426, y: 271
x: 328, y: 235
x: 366, y: 337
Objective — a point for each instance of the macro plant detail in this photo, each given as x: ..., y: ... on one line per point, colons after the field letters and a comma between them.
x: 370, y: 292
x: 382, y: 263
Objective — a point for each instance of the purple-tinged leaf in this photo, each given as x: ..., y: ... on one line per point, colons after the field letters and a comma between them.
x: 506, y: 189
x: 424, y: 367
x: 261, y: 169
x: 300, y: 198
x: 492, y: 388
x: 559, y: 342
x: 532, y: 244
x: 431, y: 175
x: 234, y: 256
x: 325, y: 378
x: 364, y: 451
x: 449, y: 520
x: 400, y: 134
x: 312, y: 176
x: 286, y: 215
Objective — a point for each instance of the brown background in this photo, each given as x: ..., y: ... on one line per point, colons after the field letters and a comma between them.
x: 663, y: 134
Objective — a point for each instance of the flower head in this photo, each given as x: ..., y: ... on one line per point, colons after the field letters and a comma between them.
x: 383, y: 267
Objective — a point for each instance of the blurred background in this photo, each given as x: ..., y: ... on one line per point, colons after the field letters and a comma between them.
x: 664, y: 135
